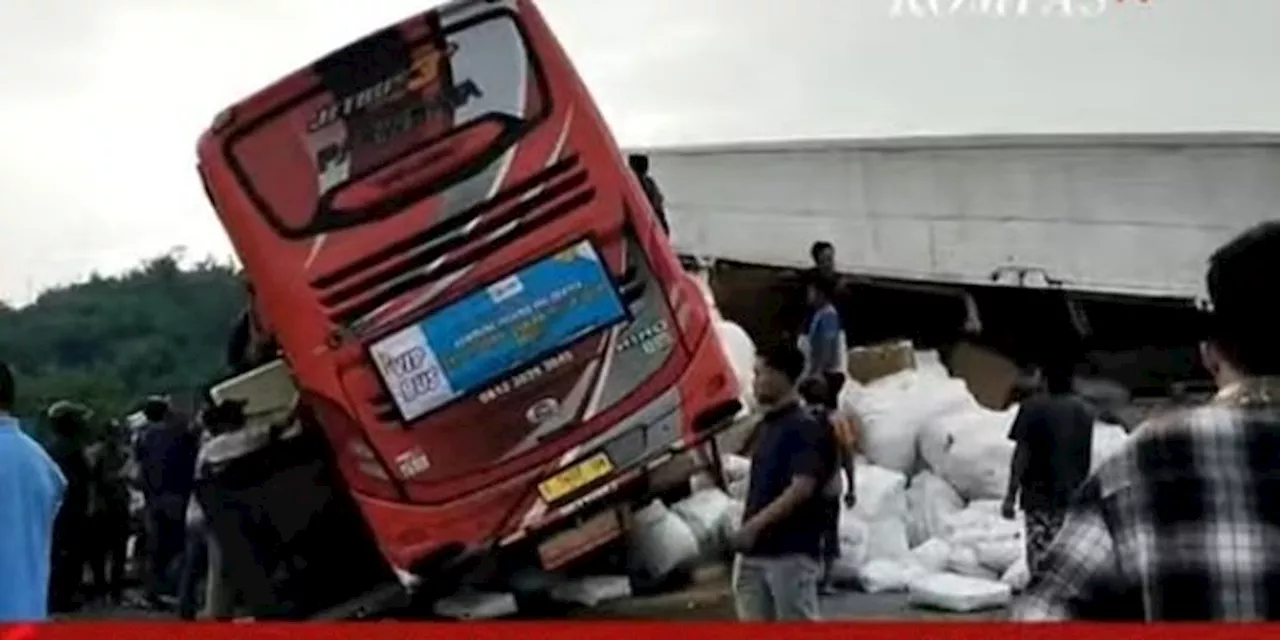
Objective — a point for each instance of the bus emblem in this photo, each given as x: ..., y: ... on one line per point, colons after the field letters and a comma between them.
x: 542, y: 411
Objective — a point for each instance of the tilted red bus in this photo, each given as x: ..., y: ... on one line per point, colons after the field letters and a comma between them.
x: 476, y: 303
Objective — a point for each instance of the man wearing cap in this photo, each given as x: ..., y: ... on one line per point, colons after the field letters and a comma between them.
x: 31, y: 488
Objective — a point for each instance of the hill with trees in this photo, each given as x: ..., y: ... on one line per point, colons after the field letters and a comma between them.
x: 110, y: 341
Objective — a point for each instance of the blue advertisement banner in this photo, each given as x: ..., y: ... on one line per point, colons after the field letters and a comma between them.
x: 499, y: 329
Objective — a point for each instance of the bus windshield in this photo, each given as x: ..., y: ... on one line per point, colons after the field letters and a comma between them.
x: 391, y: 120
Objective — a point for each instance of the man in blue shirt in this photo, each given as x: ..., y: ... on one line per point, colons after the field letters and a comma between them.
x: 31, y: 489
x: 824, y: 339
x: 778, y: 568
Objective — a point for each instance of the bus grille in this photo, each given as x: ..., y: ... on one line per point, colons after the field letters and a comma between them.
x: 358, y: 289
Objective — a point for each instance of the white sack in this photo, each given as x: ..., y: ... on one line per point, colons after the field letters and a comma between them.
x: 964, y: 561
x: 705, y: 512
x: 853, y: 549
x: 938, y: 435
x: 735, y: 467
x: 476, y: 605
x: 660, y: 541
x: 977, y: 461
x: 929, y: 363
x: 741, y: 350
x: 733, y: 519
x: 981, y: 521
x: 592, y: 590
x: 933, y: 555
x: 985, y: 508
x: 1000, y: 552
x: 1108, y: 439
x: 887, y: 539
x: 960, y: 594
x: 929, y: 501
x: 736, y: 470
x: 701, y: 481
x: 881, y: 576
x: 892, y: 410
x: 881, y: 492
x: 845, y: 568
x: 738, y: 489
x: 852, y: 530
x: 1018, y: 576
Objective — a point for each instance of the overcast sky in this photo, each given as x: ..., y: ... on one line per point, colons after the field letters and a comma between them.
x: 103, y: 100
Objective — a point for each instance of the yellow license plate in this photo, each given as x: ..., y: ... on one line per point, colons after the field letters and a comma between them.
x: 575, y: 477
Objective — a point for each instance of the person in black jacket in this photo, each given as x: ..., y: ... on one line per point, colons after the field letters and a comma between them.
x: 70, y: 531
x: 109, y: 513
x: 166, y: 455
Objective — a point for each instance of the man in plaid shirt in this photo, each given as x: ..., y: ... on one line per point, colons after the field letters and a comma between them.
x: 1184, y: 522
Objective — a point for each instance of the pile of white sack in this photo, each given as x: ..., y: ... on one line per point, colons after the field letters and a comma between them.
x: 934, y: 470
x: 935, y: 466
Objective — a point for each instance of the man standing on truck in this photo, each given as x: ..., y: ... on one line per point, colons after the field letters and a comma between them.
x: 823, y: 342
x: 824, y: 260
x: 1053, y: 434
x: 1180, y: 524
x: 639, y: 164
x: 31, y: 488
x: 780, y: 542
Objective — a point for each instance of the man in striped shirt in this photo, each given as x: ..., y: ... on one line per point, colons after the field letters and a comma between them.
x: 1184, y: 522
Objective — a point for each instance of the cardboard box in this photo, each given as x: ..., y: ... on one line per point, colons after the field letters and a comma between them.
x: 867, y: 364
x: 989, y: 374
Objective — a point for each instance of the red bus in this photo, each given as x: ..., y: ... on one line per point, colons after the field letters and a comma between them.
x: 468, y: 285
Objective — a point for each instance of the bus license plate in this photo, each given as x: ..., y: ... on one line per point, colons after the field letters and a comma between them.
x: 575, y: 477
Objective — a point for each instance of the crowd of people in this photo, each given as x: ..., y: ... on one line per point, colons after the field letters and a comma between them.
x: 68, y: 518
x: 1179, y: 525
x: 67, y: 513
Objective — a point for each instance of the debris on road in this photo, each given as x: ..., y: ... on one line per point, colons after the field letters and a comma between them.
x: 592, y: 590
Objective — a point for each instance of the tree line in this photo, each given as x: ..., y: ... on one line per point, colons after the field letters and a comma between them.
x: 108, y: 342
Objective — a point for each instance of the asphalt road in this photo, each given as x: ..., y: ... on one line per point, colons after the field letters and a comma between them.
x: 708, y: 599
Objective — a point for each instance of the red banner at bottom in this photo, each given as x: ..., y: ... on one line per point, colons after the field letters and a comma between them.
x: 630, y: 631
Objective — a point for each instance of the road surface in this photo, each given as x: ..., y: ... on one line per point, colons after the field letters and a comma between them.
x: 708, y: 599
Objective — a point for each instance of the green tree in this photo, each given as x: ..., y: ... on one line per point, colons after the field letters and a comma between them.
x: 107, y: 342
